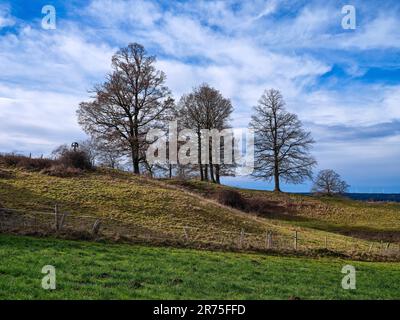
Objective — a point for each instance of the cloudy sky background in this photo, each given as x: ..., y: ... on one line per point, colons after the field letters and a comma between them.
x: 343, y: 84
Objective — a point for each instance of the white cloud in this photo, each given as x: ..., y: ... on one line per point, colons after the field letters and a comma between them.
x: 352, y: 106
x: 59, y: 59
x: 270, y: 7
x: 381, y: 33
x: 37, y: 120
x: 371, y: 162
x: 44, y: 76
x: 6, y: 20
x: 114, y: 13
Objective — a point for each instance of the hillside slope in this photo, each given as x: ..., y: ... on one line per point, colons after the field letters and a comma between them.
x: 375, y: 221
x: 159, y: 207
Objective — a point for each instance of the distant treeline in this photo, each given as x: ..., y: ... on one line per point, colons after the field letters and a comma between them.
x: 386, y: 197
x: 376, y: 197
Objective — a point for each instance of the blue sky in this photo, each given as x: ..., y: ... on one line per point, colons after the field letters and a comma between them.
x: 343, y: 84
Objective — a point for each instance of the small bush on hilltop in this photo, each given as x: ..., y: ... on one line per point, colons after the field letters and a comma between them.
x: 75, y: 159
x: 32, y: 164
x: 232, y: 199
x: 68, y: 163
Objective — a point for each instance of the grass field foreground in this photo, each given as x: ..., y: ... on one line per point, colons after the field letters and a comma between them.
x: 86, y: 270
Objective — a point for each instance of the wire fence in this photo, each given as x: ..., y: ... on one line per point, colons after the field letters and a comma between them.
x: 84, y: 227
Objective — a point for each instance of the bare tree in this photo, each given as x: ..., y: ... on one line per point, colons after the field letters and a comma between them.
x: 192, y: 117
x: 329, y: 182
x: 217, y: 111
x: 206, y: 108
x: 109, y: 154
x: 282, y: 147
x: 89, y: 146
x: 58, y: 151
x: 132, y: 100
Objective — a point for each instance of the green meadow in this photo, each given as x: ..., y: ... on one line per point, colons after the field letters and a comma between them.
x: 90, y: 270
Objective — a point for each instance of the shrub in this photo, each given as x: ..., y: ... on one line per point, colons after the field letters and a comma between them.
x: 264, y: 207
x: 69, y: 163
x: 61, y: 171
x: 5, y: 174
x: 34, y: 164
x: 260, y: 206
x: 256, y: 205
x: 9, y: 160
x: 75, y: 159
x: 232, y: 199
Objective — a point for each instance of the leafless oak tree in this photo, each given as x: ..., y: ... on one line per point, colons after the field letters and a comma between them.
x: 206, y: 108
x: 109, y: 154
x: 89, y: 146
x: 329, y: 182
x: 282, y: 146
x: 132, y: 100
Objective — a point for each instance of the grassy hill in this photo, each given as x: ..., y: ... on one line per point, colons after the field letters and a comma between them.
x: 165, y: 208
x: 87, y: 270
x: 367, y: 220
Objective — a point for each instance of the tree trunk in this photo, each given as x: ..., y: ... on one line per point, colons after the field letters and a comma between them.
x: 276, y: 178
x: 211, y: 162
x: 135, y: 161
x: 212, y: 173
x: 170, y: 171
x: 206, y: 172
x: 199, y: 155
x: 276, y: 154
x: 135, y: 146
x: 277, y: 186
x: 217, y: 171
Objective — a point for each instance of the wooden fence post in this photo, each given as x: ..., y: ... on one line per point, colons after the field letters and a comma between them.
x: 96, y: 227
x: 241, y: 238
x: 270, y: 244
x: 35, y: 227
x: 61, y: 223
x: 56, y: 216
x: 295, y: 239
x: 186, y: 233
